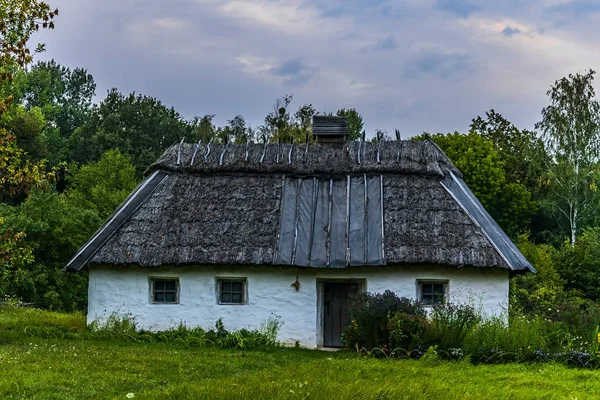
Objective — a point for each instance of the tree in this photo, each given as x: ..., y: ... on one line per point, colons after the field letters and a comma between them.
x: 54, y: 229
x: 509, y: 203
x: 101, y: 186
x: 64, y: 95
x: 520, y: 150
x: 17, y: 175
x: 303, y: 119
x: 204, y: 127
x: 19, y: 19
x: 278, y: 123
x: 355, y: 122
x: 570, y: 130
x: 538, y: 293
x: 13, y: 255
x: 580, y: 264
x: 28, y: 128
x: 235, y: 131
x: 141, y: 127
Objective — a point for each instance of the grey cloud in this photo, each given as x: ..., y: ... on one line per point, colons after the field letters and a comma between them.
x: 442, y: 65
x: 462, y: 8
x: 295, y: 71
x: 216, y: 62
x: 508, y: 31
x: 387, y: 43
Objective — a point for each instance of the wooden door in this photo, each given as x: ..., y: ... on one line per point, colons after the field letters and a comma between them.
x: 336, y: 314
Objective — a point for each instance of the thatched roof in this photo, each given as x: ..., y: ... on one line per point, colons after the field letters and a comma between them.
x: 387, y: 203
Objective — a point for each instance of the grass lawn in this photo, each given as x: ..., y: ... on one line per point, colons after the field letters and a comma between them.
x: 38, y: 368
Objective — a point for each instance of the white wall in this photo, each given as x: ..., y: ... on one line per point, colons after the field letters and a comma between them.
x: 126, y: 290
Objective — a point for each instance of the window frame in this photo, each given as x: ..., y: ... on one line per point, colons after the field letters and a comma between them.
x: 155, y: 279
x: 244, y: 291
x: 444, y: 282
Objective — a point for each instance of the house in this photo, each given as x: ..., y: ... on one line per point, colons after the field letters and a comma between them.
x: 246, y: 231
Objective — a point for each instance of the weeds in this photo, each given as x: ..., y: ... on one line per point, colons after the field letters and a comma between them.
x: 123, y: 327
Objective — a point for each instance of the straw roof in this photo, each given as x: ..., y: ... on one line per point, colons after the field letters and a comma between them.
x: 387, y: 203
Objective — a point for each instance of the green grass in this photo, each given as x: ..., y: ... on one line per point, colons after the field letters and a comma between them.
x: 48, y: 368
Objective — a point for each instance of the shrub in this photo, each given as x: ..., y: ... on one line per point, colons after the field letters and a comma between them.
x: 494, y: 340
x: 369, y: 314
x: 407, y: 331
x: 450, y: 324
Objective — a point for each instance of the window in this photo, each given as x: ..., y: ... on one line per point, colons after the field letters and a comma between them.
x: 232, y: 291
x: 165, y: 291
x: 433, y: 292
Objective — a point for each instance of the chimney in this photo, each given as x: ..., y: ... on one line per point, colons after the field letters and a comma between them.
x: 330, y: 131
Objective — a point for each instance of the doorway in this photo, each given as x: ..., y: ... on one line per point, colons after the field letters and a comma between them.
x: 336, y: 312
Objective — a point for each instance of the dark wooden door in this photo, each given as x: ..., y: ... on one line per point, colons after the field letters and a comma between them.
x: 336, y: 314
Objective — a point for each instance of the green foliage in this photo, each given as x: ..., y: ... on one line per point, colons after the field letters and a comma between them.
x: 141, y: 127
x: 35, y: 364
x: 494, y: 340
x: 355, y: 122
x: 570, y: 128
x: 18, y: 176
x: 510, y: 203
x: 407, y: 331
x: 303, y: 118
x: 14, y: 254
x: 64, y: 96
x: 537, y: 293
x: 43, y: 324
x: 101, y: 186
x: 450, y: 324
x: 580, y: 265
x: 520, y: 150
x: 19, y: 20
x: 54, y: 230
x: 369, y: 313
x: 235, y: 131
x: 28, y: 128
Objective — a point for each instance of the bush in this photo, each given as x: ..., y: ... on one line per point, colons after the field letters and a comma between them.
x: 407, y: 332
x: 450, y: 325
x: 369, y: 313
x: 495, y: 341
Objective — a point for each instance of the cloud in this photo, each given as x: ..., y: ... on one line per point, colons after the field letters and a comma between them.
x: 389, y: 42
x: 462, y: 8
x: 508, y: 31
x: 416, y: 65
x: 441, y: 65
x: 576, y: 7
x: 294, y: 70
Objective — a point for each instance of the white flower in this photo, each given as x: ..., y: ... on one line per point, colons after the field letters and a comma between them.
x: 130, y: 395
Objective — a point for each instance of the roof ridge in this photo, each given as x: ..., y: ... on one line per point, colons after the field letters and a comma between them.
x: 396, y: 157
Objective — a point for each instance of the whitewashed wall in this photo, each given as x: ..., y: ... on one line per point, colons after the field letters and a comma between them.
x: 126, y: 290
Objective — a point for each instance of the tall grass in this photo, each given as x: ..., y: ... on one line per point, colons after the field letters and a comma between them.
x: 124, y: 327
x: 18, y: 322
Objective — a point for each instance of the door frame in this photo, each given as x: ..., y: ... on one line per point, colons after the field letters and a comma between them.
x: 362, y: 287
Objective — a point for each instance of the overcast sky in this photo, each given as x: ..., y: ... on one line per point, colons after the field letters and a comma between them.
x: 415, y: 65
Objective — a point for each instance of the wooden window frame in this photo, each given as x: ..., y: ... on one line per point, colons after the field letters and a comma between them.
x: 153, y: 281
x: 244, y: 291
x: 444, y: 282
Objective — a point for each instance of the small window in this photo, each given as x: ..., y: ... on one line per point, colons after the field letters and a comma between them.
x: 232, y: 291
x: 165, y: 291
x: 433, y: 292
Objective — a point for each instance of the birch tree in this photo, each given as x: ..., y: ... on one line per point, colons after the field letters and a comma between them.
x: 570, y: 130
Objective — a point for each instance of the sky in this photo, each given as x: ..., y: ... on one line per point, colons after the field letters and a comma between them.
x: 413, y: 65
